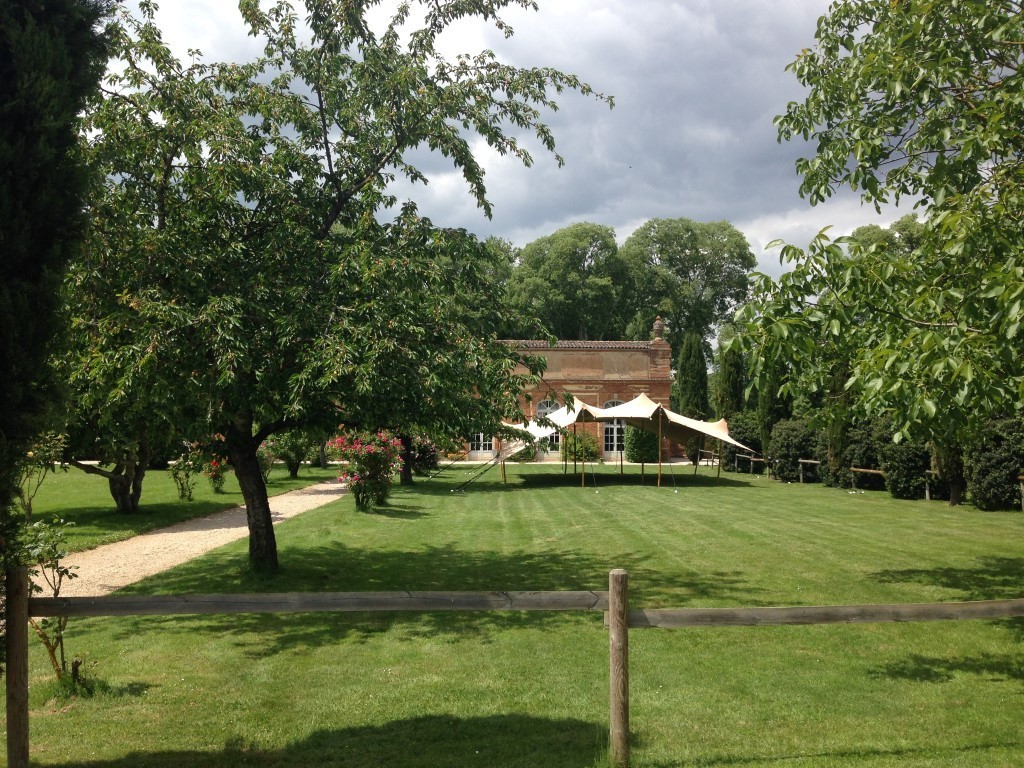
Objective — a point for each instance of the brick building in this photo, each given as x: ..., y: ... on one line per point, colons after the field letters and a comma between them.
x: 601, y: 373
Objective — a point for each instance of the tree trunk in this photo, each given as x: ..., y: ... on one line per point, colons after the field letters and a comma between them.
x: 123, y: 492
x: 949, y: 463
x: 323, y: 455
x: 242, y: 447
x: 406, y: 460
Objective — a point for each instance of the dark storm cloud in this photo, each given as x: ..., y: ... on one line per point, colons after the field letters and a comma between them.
x: 696, y: 85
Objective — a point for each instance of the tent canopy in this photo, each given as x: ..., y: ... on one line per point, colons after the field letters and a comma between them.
x: 640, y: 412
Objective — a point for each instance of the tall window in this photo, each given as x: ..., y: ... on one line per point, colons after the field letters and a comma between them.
x: 481, y: 442
x: 614, y: 432
x: 545, y: 408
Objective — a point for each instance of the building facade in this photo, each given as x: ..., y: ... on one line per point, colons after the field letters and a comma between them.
x: 601, y: 373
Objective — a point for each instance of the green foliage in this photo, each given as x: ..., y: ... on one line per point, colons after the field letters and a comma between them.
x: 372, y: 460
x: 641, y: 446
x: 425, y: 455
x: 45, y: 550
x: 731, y: 382
x: 573, y: 282
x: 525, y: 455
x: 743, y: 427
x: 692, y: 274
x: 44, y: 457
x: 792, y: 440
x: 51, y: 58
x: 994, y: 463
x: 238, y: 279
x: 917, y: 100
x: 690, y: 388
x: 292, y: 446
x: 905, y: 465
x: 185, y: 471
x: 774, y: 401
x: 865, y: 442
x: 581, y: 447
x: 216, y: 469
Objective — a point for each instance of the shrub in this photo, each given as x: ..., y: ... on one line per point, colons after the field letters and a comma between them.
x: 372, y: 460
x: 905, y: 465
x: 994, y: 463
x: 641, y: 446
x: 580, y: 447
x: 292, y: 447
x: 743, y: 427
x: 792, y: 440
x: 864, y: 444
x: 526, y: 454
x: 426, y: 456
x: 185, y: 471
x: 216, y: 470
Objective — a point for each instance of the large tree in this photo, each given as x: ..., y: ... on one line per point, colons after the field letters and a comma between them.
x: 917, y: 100
x: 574, y: 282
x: 692, y: 274
x: 235, y: 240
x: 51, y: 57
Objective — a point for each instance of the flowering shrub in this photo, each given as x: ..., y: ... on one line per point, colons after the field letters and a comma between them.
x: 372, y: 461
x: 184, y: 471
x: 216, y: 469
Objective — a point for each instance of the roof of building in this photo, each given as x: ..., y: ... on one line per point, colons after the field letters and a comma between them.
x: 578, y: 344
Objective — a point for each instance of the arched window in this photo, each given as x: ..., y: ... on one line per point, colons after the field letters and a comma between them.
x: 545, y: 408
x: 614, y: 432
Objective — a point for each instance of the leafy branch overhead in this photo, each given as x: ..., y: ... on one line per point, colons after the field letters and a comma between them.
x: 917, y: 100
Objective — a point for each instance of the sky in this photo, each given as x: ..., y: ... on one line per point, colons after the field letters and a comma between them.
x: 696, y: 85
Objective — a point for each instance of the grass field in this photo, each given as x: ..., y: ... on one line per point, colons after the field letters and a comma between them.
x: 85, y: 501
x: 507, y: 689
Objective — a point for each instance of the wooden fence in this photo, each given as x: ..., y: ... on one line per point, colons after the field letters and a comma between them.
x: 615, y: 602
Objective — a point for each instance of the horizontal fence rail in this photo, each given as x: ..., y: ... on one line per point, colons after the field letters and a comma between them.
x: 313, y: 602
x: 678, y: 618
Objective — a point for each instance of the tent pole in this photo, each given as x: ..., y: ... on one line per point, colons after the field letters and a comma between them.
x: 700, y: 448
x: 583, y: 456
x: 659, y: 449
x: 719, y: 459
x: 575, y: 448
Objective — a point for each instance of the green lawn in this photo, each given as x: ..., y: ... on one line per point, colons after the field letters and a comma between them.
x: 531, y: 690
x: 85, y: 501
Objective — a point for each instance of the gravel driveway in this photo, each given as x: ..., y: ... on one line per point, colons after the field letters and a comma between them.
x: 112, y: 566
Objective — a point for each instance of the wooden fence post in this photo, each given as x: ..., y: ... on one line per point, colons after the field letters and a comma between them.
x: 618, y: 666
x: 17, y: 667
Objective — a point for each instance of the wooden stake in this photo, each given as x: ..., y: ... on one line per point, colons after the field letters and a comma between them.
x: 17, y: 667
x: 618, y: 666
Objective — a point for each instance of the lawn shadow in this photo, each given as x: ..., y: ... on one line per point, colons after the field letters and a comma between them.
x: 994, y: 578
x: 934, y: 669
x: 847, y: 756
x: 335, y: 567
x: 431, y: 741
x: 537, y: 476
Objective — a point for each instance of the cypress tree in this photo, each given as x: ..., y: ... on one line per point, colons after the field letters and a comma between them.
x: 731, y: 383
x: 690, y: 389
x: 51, y: 58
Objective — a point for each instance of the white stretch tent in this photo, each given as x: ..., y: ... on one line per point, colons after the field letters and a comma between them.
x: 640, y: 412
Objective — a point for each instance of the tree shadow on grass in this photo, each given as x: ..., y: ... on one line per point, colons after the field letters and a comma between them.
x: 336, y: 567
x: 467, y: 481
x: 994, y: 578
x: 432, y: 741
x: 933, y: 669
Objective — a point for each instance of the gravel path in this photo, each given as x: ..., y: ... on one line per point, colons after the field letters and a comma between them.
x: 112, y: 566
